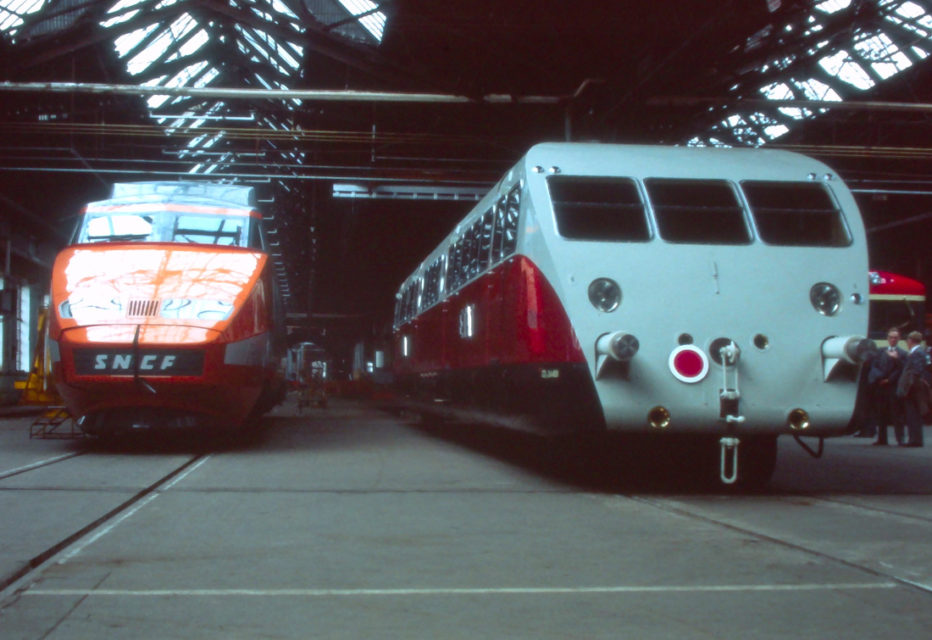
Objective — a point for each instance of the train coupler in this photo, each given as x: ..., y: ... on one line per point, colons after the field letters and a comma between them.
x: 729, y: 454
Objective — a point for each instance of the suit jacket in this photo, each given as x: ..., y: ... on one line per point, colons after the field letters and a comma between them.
x: 917, y: 362
x: 883, y: 365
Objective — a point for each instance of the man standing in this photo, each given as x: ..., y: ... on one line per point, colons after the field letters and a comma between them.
x: 884, y: 407
x: 911, y: 388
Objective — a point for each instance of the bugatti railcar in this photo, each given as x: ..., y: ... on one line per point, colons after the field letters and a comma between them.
x: 708, y: 293
x: 164, y: 311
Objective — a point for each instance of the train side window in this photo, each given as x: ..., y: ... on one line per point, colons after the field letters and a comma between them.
x: 419, y: 303
x: 435, y: 280
x: 451, y: 262
x: 454, y: 263
x: 410, y: 300
x: 510, y: 210
x: 432, y: 283
x: 796, y: 214
x: 403, y: 305
x: 441, y: 276
x: 468, y: 254
x: 697, y: 211
x: 596, y: 208
x: 498, y: 221
x: 486, y: 229
x: 475, y: 248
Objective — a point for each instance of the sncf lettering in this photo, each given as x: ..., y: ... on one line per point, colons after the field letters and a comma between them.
x: 124, y: 362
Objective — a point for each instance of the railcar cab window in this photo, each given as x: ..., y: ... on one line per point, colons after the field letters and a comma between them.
x: 117, y: 228
x: 166, y: 226
x: 595, y: 208
x: 796, y: 214
x: 697, y: 211
x: 219, y: 230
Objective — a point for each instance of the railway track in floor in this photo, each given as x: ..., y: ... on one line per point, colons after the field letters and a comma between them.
x: 39, y: 464
x: 892, y: 574
x: 73, y: 542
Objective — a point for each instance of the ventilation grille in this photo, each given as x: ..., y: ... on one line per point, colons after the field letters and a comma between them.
x: 142, y: 309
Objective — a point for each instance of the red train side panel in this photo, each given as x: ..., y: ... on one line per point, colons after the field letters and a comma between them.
x: 504, y: 342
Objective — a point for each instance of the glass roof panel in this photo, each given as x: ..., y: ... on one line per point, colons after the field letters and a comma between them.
x: 372, y: 20
x: 121, y: 12
x: 868, y: 57
x: 845, y: 67
x: 12, y: 12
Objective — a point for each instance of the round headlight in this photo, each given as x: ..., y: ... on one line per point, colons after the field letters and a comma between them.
x: 825, y: 298
x: 604, y: 294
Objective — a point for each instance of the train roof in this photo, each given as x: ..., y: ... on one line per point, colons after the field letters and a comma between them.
x: 229, y: 195
x: 595, y: 158
x: 636, y: 160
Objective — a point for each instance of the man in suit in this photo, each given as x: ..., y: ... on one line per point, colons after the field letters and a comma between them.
x: 885, y: 370
x: 917, y: 368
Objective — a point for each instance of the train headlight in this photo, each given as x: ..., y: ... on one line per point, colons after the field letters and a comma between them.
x: 798, y: 420
x: 825, y: 298
x: 604, y: 294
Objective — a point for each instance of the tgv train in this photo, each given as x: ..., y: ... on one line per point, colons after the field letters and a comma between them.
x: 164, y: 311
x: 716, y: 295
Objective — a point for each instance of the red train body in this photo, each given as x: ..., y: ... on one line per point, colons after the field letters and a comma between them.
x: 164, y: 312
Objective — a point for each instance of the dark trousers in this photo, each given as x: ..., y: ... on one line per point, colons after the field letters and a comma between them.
x: 913, y: 418
x: 886, y: 409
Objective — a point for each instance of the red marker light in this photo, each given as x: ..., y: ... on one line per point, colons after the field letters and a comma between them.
x: 688, y: 364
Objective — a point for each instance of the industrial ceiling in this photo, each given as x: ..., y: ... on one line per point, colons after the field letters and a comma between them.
x: 369, y: 127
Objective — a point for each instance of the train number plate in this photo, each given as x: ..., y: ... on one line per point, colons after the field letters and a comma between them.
x: 152, y: 362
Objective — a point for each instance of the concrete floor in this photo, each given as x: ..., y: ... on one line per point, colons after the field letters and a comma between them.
x: 348, y: 522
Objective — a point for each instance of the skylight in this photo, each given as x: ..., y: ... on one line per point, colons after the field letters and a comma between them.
x: 868, y: 58
x: 372, y: 20
x: 13, y: 11
x: 166, y: 51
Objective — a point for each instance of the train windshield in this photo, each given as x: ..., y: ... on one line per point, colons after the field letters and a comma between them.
x: 169, y: 226
x: 796, y: 214
x: 210, y: 229
x: 591, y: 208
x: 697, y: 211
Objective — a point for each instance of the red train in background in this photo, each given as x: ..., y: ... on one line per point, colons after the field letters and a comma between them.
x: 895, y: 301
x: 165, y: 312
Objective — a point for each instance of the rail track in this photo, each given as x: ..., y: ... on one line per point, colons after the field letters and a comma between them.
x: 73, y: 542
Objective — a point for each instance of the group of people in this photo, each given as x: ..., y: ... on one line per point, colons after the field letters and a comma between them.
x: 897, y: 390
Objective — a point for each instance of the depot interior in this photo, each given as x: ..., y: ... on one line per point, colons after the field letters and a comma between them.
x: 369, y: 128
